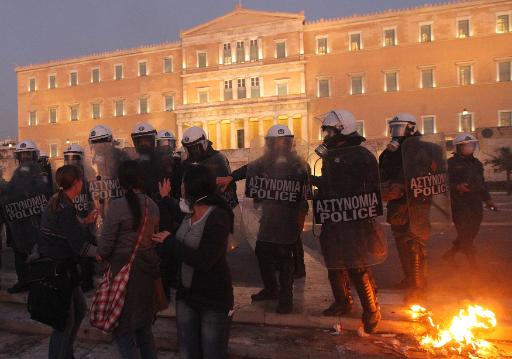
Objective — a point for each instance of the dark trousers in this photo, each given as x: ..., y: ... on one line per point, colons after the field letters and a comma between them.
x: 203, y: 333
x: 138, y: 344
x: 298, y: 257
x: 274, y: 257
x: 61, y: 343
x: 21, y: 266
x: 87, y: 272
x: 467, y: 222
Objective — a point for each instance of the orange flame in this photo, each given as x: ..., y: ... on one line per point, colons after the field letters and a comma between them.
x: 460, y: 335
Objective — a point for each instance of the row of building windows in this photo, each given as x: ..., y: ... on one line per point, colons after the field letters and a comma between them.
x: 143, y: 70
x: 427, y: 79
x: 425, y: 34
x: 119, y: 110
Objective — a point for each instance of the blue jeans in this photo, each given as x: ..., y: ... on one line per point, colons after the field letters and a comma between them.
x: 203, y: 333
x: 61, y: 343
x: 139, y: 344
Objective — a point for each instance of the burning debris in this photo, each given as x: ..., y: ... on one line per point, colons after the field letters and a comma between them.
x: 460, y: 335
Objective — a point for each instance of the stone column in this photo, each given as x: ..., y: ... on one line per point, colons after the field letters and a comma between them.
x: 246, y: 133
x: 232, y: 134
x: 205, y: 127
x: 290, y: 123
x: 260, y: 128
x: 180, y: 132
x: 274, y: 120
x: 304, y: 126
x: 218, y: 132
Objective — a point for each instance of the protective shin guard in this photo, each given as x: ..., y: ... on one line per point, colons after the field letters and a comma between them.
x: 371, y: 310
x: 418, y: 279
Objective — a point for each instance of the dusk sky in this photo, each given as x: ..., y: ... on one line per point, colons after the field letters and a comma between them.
x: 35, y: 31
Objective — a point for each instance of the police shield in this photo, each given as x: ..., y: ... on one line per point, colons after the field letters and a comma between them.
x: 275, y: 201
x: 347, y: 204
x: 426, y: 183
x: 100, y: 167
x: 23, y: 199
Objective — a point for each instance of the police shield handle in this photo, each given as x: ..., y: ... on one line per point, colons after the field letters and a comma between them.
x: 223, y: 182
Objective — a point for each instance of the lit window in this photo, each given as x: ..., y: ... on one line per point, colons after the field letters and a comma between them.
x: 202, y: 96
x: 465, y: 75
x: 323, y: 88
x: 254, y: 50
x: 32, y: 118
x: 32, y: 85
x: 119, y: 108
x: 143, y: 68
x: 391, y: 82
x: 282, y: 89
x: 356, y: 84
x: 466, y: 122
x: 241, y: 90
x: 505, y: 118
x: 118, y: 72
x: 356, y: 43
x: 255, y: 87
x: 503, y: 23
x: 143, y: 105
x: 52, y: 81
x: 73, y: 78
x: 429, y: 124
x: 53, y: 150
x: 427, y: 78
x: 95, y: 75
x: 321, y: 45
x: 240, y: 52
x: 360, y: 128
x: 167, y: 64
x: 169, y: 103
x: 226, y: 54
x: 228, y: 90
x: 389, y: 37
x: 504, y: 71
x: 463, y: 28
x: 52, y: 115
x: 280, y: 49
x: 426, y: 33
x: 96, y: 111
x: 201, y: 59
x: 73, y: 112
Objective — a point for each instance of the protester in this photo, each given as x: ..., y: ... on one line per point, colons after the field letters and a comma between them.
x: 124, y: 218
x: 64, y: 241
x: 205, y: 294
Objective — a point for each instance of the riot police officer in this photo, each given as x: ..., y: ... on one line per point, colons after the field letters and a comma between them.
x: 74, y: 155
x: 468, y: 191
x: 281, y: 220
x: 409, y: 217
x: 348, y: 171
x: 23, y: 199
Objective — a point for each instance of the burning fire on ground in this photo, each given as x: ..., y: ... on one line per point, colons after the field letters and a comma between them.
x: 460, y: 335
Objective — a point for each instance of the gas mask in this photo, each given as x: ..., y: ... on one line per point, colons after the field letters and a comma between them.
x: 331, y: 136
x: 196, y: 152
x: 398, y: 131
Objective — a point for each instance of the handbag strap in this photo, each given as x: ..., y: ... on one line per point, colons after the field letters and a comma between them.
x: 141, y: 232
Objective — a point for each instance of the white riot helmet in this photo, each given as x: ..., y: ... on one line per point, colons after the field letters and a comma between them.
x: 143, y: 137
x: 100, y: 133
x: 74, y: 155
x: 401, y: 126
x: 278, y: 131
x: 336, y: 124
x: 195, y: 143
x: 465, y: 144
x: 26, y: 151
x: 165, y: 138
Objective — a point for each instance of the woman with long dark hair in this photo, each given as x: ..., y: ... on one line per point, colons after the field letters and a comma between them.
x: 204, y: 298
x: 124, y: 222
x: 64, y: 241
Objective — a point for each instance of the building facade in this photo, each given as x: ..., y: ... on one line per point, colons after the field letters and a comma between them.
x: 240, y: 73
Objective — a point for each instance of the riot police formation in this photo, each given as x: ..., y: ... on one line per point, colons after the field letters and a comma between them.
x: 346, y: 204
x: 413, y: 173
x: 23, y: 199
x: 74, y: 155
x: 276, y: 183
x: 468, y: 191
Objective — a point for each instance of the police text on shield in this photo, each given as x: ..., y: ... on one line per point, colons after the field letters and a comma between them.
x: 287, y: 190
x: 347, y: 209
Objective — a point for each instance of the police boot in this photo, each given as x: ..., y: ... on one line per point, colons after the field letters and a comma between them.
x: 367, y: 295
x: 416, y: 293
x: 340, y: 285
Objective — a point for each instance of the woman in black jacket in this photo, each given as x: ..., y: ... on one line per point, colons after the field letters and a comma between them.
x: 205, y: 294
x: 64, y: 241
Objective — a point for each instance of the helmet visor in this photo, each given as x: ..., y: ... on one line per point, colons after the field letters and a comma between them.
x: 144, y: 144
x: 398, y: 129
x: 73, y: 159
x: 280, y: 144
x: 167, y: 143
x: 195, y: 151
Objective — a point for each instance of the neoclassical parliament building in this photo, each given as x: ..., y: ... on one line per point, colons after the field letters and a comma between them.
x: 449, y: 64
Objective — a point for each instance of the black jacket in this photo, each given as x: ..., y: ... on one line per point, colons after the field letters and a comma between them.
x: 471, y: 171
